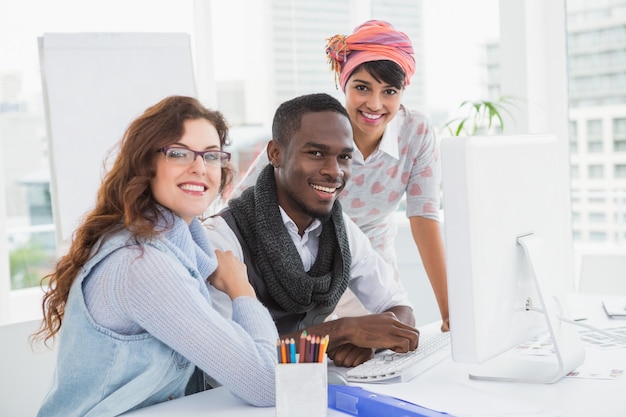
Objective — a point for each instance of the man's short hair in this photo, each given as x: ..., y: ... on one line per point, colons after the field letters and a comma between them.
x: 288, y: 115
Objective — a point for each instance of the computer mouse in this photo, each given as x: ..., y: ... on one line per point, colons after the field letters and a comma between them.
x: 336, y: 378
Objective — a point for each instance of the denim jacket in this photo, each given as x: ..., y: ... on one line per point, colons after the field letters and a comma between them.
x: 126, y: 371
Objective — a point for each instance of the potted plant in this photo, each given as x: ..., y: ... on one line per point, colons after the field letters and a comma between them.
x: 480, y: 117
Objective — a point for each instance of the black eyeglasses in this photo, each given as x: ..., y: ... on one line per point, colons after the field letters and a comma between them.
x: 184, y: 156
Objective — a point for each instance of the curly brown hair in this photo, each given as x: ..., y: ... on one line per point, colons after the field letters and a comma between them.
x: 125, y: 199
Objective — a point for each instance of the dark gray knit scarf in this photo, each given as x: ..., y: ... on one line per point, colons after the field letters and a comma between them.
x: 260, y: 223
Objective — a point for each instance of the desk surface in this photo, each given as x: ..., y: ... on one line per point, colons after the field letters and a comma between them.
x: 447, y: 387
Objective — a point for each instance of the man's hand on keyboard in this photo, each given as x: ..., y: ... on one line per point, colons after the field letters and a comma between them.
x: 390, y: 366
x: 349, y: 355
x: 353, y: 339
x: 379, y: 331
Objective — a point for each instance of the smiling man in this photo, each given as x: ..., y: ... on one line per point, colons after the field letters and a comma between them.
x: 301, y: 250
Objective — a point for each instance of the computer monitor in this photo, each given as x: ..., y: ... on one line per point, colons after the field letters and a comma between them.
x: 509, y: 254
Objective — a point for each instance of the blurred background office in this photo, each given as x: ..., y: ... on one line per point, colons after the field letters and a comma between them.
x: 564, y: 63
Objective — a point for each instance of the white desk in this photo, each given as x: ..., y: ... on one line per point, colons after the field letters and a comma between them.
x: 446, y: 386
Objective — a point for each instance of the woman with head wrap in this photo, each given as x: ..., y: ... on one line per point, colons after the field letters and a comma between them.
x: 396, y: 152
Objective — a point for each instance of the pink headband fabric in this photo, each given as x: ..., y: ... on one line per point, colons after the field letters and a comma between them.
x: 374, y: 40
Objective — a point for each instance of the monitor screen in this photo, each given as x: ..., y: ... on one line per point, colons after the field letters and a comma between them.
x: 509, y: 252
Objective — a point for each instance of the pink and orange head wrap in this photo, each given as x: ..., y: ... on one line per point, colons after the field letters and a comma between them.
x: 374, y: 40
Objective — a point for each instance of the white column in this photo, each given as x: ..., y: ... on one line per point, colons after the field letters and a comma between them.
x: 260, y: 83
x: 533, y: 56
x: 206, y: 87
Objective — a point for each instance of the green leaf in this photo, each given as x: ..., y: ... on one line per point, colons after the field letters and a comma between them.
x: 476, y: 115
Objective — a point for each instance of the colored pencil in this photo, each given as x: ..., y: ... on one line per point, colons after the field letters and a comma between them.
x: 283, y: 354
x: 307, y: 349
x: 302, y: 346
x: 323, y: 346
x: 292, y: 350
x: 311, y: 357
x: 316, y: 350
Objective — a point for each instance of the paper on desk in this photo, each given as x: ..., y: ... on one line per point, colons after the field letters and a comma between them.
x: 461, y: 400
x: 607, y: 373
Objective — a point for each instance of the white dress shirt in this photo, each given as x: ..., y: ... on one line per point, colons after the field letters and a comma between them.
x: 371, y: 278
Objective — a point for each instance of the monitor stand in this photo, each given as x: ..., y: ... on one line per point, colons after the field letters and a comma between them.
x: 569, y: 351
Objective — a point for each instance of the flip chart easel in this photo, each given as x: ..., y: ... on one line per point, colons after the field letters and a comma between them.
x: 94, y: 85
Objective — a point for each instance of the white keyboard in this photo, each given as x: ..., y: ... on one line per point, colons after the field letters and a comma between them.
x: 389, y: 366
x: 603, y: 340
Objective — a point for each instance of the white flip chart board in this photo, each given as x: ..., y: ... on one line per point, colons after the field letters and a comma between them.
x: 94, y: 85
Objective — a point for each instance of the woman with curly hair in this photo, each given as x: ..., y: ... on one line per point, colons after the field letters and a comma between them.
x: 129, y: 301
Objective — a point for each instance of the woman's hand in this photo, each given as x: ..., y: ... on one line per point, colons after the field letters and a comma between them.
x: 231, y: 276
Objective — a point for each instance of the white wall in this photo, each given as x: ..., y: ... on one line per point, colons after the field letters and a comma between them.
x: 25, y: 371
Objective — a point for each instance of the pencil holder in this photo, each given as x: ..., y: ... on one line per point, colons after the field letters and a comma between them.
x: 301, y: 389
